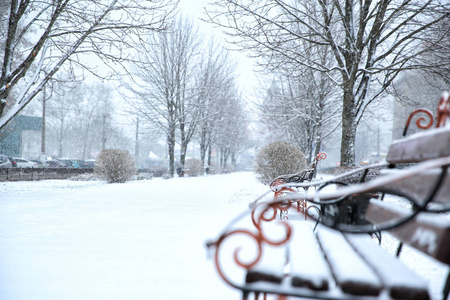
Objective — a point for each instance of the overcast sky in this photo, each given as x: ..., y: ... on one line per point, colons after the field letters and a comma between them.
x: 247, y: 79
x: 193, y: 7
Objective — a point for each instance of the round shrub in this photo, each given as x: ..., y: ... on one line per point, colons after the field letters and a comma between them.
x: 194, y: 166
x: 115, y: 166
x: 277, y: 159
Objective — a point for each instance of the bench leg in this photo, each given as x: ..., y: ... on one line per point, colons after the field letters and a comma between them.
x: 399, y: 249
x: 245, y: 295
x: 446, y: 290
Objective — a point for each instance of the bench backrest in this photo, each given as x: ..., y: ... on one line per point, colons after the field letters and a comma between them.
x: 429, y: 234
x: 424, y: 145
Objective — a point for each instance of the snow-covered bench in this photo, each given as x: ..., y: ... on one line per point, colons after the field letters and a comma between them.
x: 305, y: 175
x: 285, y: 184
x: 336, y: 259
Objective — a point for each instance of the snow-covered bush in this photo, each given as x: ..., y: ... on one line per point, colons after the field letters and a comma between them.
x: 194, y: 166
x: 277, y: 159
x: 158, y: 171
x: 114, y: 165
x: 166, y: 176
x: 143, y: 176
x: 229, y: 168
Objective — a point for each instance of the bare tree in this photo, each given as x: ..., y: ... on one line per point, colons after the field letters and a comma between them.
x: 301, y: 110
x: 232, y: 132
x: 164, y: 92
x: 371, y: 42
x: 59, y: 116
x: 67, y: 34
x: 215, y: 84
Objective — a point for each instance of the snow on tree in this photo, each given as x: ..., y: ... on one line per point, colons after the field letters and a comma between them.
x: 163, y: 92
x: 180, y: 91
x: 371, y: 43
x: 301, y: 110
x: 40, y: 38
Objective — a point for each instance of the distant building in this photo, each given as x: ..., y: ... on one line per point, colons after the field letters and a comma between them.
x: 11, y: 135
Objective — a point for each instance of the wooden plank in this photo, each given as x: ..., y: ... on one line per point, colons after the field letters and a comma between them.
x: 350, y: 271
x: 308, y: 266
x: 419, y: 187
x: 401, y: 282
x: 429, y: 234
x: 430, y: 144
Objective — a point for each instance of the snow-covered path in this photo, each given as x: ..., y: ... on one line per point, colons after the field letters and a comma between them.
x: 138, y: 240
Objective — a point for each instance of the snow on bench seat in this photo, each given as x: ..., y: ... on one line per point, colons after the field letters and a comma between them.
x: 350, y: 271
x: 326, y: 263
x: 270, y: 267
x: 307, y: 264
x: 400, y: 280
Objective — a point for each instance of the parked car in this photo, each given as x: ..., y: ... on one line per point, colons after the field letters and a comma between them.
x: 25, y: 163
x: 79, y: 162
x: 13, y: 162
x: 55, y: 164
x: 40, y: 164
x: 89, y: 164
x: 5, y: 162
x: 69, y: 163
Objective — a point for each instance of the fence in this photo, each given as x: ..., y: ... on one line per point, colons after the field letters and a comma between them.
x: 30, y: 174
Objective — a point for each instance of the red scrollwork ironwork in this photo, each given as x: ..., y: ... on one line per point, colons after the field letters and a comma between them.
x: 321, y: 156
x: 241, y: 264
x: 257, y: 236
x: 274, y: 184
x: 443, y: 110
x: 442, y: 118
x: 419, y: 121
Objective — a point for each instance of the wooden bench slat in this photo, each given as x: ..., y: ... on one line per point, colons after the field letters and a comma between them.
x: 420, y: 186
x: 308, y: 267
x: 350, y: 271
x: 420, y: 146
x: 402, y: 282
x: 423, y: 233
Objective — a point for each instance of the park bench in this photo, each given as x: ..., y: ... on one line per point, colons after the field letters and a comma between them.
x: 334, y: 258
x: 303, y: 176
x: 285, y: 184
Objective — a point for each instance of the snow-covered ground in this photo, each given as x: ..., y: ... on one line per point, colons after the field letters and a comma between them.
x: 139, y: 240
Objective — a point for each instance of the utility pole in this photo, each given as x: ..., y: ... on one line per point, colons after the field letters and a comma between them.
x: 45, y: 97
x: 136, y: 148
x: 104, y: 131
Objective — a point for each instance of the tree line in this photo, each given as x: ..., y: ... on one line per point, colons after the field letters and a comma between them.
x: 174, y: 84
x: 186, y: 89
x: 332, y: 61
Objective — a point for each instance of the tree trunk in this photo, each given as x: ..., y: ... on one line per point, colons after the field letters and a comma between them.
x: 348, y: 127
x: 203, y: 147
x: 209, y: 155
x: 171, y: 147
